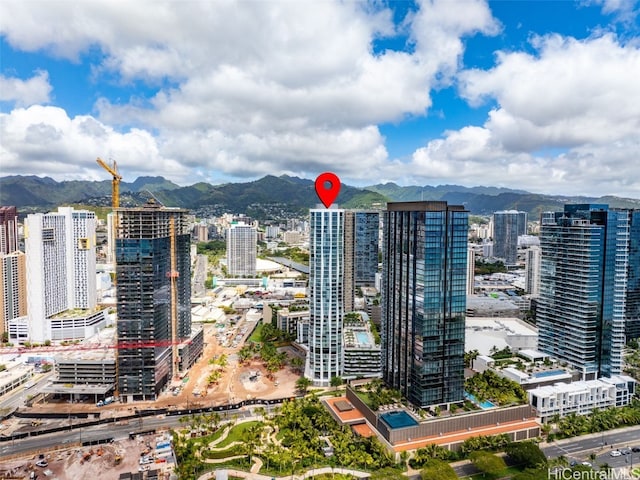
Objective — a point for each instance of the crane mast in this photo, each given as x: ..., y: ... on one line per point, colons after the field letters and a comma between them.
x: 115, y: 203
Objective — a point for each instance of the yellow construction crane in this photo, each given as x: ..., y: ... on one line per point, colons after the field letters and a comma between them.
x: 115, y: 202
x: 115, y: 182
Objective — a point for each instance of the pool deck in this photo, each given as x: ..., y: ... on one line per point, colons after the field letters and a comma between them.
x: 461, y: 436
x: 362, y: 428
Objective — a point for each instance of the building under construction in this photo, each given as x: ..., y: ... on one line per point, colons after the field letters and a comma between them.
x: 153, y: 291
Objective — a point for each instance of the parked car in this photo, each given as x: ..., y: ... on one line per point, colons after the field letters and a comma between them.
x: 625, y: 451
x: 615, y: 453
x: 41, y: 463
x: 635, y: 449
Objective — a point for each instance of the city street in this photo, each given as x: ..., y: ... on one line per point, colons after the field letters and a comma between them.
x: 99, y: 432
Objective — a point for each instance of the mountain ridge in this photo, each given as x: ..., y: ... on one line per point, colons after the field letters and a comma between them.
x: 35, y: 193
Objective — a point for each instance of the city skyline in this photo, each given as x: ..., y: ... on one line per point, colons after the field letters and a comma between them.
x: 511, y: 95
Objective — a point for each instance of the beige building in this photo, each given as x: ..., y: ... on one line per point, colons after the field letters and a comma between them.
x: 13, y: 289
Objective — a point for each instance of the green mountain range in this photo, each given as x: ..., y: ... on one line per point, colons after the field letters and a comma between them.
x: 292, y: 194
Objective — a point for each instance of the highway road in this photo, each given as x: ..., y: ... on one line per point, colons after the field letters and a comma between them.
x: 100, y: 432
x: 580, y: 447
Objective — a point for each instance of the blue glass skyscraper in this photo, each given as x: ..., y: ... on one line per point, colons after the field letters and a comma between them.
x: 508, y: 225
x: 424, y: 301
x: 583, y: 287
x: 632, y: 307
x: 143, y: 274
x: 366, y: 244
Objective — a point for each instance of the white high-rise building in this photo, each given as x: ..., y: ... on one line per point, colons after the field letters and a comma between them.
x: 471, y: 270
x: 326, y: 293
x: 532, y: 271
x: 242, y: 243
x: 61, y: 274
x: 111, y: 236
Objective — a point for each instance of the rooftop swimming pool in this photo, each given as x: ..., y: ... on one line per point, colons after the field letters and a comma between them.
x: 399, y: 419
x: 548, y: 373
x: 363, y: 338
x: 484, y: 405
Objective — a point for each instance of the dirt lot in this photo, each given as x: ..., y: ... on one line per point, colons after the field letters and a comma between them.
x: 234, y: 385
x: 98, y: 462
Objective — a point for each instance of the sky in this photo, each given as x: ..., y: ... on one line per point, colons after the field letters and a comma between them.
x: 542, y: 96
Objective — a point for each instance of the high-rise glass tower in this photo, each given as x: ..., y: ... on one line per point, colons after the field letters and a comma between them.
x: 632, y: 307
x: 366, y: 246
x: 583, y: 287
x: 327, y: 294
x: 144, y: 274
x: 507, y: 226
x: 424, y: 281
x: 241, y: 250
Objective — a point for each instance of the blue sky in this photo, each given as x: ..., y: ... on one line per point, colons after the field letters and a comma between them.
x: 536, y: 95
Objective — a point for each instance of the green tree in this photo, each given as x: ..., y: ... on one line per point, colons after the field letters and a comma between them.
x: 527, y: 454
x: 303, y: 384
x: 336, y: 382
x: 388, y: 474
x: 438, y: 470
x: 488, y: 462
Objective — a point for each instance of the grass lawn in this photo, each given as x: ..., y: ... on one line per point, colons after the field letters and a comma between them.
x: 230, y: 452
x: 236, y: 433
x: 256, y: 336
x: 364, y: 396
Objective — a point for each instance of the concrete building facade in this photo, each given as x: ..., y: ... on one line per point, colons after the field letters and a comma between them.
x: 13, y: 291
x: 61, y: 268
x: 241, y: 250
x: 8, y: 229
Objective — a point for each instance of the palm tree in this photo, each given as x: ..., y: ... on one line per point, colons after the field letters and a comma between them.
x: 303, y: 384
x: 296, y: 363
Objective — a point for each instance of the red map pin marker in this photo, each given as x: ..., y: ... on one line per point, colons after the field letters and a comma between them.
x: 327, y: 188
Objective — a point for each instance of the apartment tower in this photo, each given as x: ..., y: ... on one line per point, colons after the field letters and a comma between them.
x: 366, y: 246
x: 13, y: 295
x: 583, y: 287
x: 424, y: 280
x: 8, y: 229
x: 145, y: 251
x: 508, y: 225
x: 242, y: 244
x: 327, y: 292
x: 61, y: 274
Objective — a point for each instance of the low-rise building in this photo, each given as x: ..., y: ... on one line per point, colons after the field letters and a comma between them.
x: 581, y: 397
x: 287, y: 320
x: 15, y: 374
x: 191, y: 349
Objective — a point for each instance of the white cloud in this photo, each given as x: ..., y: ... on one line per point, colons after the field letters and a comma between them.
x: 43, y: 140
x: 567, y: 121
x: 257, y: 87
x: 25, y: 92
x: 572, y: 93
